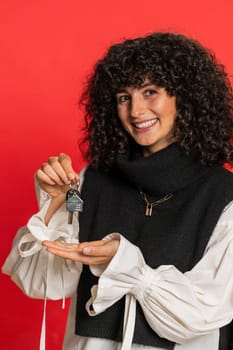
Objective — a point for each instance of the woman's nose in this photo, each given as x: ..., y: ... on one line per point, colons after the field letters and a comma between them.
x: 138, y: 106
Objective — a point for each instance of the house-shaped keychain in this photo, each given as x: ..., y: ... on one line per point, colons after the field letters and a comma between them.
x: 74, y: 203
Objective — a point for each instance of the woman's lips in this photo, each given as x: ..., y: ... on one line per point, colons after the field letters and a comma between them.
x: 145, y: 125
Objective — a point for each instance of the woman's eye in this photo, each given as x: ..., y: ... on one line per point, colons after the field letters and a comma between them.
x: 150, y: 92
x: 122, y: 98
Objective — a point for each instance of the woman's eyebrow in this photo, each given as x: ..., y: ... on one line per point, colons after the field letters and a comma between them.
x: 121, y: 90
x: 147, y: 83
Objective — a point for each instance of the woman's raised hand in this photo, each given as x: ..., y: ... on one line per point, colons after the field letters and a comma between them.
x: 55, y: 175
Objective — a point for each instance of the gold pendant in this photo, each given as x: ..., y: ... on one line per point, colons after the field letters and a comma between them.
x: 150, y: 205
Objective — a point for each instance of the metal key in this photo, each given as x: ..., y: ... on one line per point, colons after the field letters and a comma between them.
x: 74, y: 203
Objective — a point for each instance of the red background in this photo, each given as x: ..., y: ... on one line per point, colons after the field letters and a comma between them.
x: 47, y: 49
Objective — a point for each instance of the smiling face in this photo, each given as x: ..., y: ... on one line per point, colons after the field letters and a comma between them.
x: 148, y: 115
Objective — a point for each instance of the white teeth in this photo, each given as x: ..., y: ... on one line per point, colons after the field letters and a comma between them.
x: 146, y: 124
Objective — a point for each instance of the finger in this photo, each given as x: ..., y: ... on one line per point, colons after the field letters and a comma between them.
x: 66, y: 163
x: 58, y: 169
x: 78, y: 256
x: 62, y: 245
x: 65, y: 253
x: 102, y: 253
x: 43, y: 178
x: 92, y: 243
x: 53, y: 244
x: 50, y: 172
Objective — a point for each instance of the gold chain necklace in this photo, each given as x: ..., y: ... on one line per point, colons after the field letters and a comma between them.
x: 150, y: 205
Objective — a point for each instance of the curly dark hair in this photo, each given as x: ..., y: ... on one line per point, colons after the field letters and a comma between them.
x: 187, y: 70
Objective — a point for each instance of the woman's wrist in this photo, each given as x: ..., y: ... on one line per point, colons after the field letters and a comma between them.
x: 55, y: 204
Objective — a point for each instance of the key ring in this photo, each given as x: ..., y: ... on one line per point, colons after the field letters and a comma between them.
x: 75, y: 185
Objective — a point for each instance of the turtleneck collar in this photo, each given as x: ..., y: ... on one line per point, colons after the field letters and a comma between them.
x: 165, y: 171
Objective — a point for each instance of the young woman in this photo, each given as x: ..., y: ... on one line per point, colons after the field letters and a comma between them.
x: 156, y: 230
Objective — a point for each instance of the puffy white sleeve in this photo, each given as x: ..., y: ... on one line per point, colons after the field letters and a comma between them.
x: 178, y: 306
x: 37, y: 273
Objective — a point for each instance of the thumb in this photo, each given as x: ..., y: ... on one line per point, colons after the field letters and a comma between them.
x: 108, y: 249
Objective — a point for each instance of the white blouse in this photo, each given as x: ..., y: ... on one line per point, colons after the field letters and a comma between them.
x: 186, y: 308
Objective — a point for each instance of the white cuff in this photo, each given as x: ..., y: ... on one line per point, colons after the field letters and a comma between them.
x: 125, y: 274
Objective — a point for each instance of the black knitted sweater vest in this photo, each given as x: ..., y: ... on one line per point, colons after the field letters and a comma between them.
x: 176, y: 234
